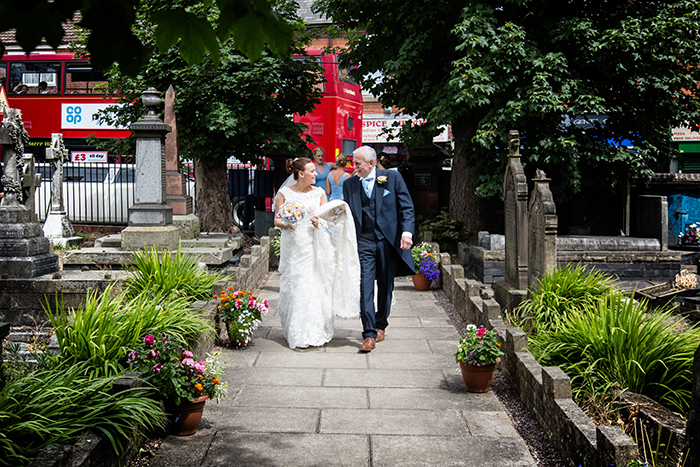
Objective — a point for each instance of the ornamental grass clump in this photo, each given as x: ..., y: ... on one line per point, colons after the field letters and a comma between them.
x: 164, y: 273
x: 561, y: 293
x: 100, y: 330
x: 618, y: 344
x: 242, y: 311
x: 480, y: 347
x: 425, y: 261
x: 175, y: 373
x: 57, y: 405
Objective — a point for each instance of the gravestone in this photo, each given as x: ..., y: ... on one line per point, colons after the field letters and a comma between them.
x: 57, y: 227
x: 542, y: 222
x: 150, y: 217
x: 175, y: 184
x: 30, y: 182
x: 516, y: 219
x: 513, y: 288
x: 24, y: 251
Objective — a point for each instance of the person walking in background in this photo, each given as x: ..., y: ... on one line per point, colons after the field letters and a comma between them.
x: 322, y: 168
x: 334, y: 182
x: 384, y: 223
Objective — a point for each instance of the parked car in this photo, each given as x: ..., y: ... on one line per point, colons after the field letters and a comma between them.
x: 92, y: 193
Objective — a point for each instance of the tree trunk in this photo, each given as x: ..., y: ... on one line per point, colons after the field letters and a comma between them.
x: 465, y: 205
x: 213, y: 204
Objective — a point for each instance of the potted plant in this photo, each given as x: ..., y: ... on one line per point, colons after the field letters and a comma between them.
x: 183, y: 382
x: 477, y: 355
x: 242, y: 312
x: 426, y: 263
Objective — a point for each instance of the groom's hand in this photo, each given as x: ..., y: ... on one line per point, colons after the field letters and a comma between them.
x: 406, y: 243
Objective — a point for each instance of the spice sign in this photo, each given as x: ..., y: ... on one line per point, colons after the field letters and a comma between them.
x: 373, y: 129
x: 88, y: 156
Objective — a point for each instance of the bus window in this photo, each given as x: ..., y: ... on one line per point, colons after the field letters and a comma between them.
x: 3, y: 75
x: 82, y: 79
x: 35, y: 77
x: 349, y: 145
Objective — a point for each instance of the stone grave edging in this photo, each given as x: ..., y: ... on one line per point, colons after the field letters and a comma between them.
x: 545, y: 391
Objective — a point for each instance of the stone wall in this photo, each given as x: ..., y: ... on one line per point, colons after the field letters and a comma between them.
x: 545, y: 391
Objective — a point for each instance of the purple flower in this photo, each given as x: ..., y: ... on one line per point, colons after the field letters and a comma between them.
x: 149, y: 340
x: 157, y: 367
x: 131, y: 356
x: 152, y: 354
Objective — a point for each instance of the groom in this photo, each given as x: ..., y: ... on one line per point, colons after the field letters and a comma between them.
x: 384, y: 221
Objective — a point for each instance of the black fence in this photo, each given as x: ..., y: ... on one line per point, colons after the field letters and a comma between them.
x: 102, y: 193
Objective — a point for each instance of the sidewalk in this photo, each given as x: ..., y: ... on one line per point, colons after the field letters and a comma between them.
x: 402, y: 404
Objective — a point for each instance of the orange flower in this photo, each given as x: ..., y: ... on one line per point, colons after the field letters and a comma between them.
x: 230, y: 287
x: 198, y: 387
x: 215, y: 380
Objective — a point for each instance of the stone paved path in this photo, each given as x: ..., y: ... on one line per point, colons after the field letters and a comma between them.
x: 403, y: 404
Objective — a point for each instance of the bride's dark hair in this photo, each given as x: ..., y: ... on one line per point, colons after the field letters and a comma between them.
x: 294, y: 166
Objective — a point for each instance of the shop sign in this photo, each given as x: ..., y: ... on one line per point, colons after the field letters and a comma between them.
x: 373, y: 129
x: 685, y: 134
x: 88, y: 156
x: 84, y: 116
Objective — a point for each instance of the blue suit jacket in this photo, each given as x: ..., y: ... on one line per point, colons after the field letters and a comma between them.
x: 394, y: 208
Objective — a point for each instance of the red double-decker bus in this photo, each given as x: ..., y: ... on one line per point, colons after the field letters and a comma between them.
x: 336, y: 122
x: 56, y: 94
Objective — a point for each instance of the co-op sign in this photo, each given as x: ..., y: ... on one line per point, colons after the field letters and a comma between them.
x: 373, y: 129
x: 81, y: 116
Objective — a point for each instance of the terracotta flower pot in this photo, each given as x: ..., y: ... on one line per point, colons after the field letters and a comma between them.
x: 420, y: 282
x: 187, y: 415
x: 477, y: 378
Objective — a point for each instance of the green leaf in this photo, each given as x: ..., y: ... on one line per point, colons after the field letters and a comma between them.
x: 193, y: 35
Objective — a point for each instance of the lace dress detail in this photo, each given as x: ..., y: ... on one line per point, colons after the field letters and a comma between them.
x: 311, y: 288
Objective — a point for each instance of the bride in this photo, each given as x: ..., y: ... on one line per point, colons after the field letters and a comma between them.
x: 319, y: 266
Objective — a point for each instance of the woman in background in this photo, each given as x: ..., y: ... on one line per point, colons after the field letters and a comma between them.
x: 322, y: 168
x: 334, y: 182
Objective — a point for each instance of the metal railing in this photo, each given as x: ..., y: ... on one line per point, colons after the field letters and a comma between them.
x: 102, y: 193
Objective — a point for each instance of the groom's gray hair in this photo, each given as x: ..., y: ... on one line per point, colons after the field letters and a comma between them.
x: 367, y: 152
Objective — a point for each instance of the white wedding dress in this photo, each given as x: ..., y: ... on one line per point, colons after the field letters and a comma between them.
x: 319, y: 271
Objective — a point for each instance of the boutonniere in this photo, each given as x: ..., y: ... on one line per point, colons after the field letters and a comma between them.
x: 381, y: 180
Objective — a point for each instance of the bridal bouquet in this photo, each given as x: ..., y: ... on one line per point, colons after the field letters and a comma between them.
x: 291, y: 212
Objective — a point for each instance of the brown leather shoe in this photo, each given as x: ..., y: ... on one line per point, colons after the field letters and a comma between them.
x: 380, y: 335
x: 367, y: 345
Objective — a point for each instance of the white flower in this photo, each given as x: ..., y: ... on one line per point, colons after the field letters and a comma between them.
x: 471, y: 327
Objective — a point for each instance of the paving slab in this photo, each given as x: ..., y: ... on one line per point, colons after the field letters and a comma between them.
x: 403, y: 404
x: 288, y: 450
x: 304, y: 397
x: 465, y: 451
x: 393, y: 422
x: 384, y: 378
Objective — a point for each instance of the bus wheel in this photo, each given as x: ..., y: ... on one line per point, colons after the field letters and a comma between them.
x: 238, y: 211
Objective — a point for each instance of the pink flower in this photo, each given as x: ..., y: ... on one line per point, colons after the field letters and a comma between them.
x: 238, y: 303
x: 149, y: 340
x: 133, y: 355
x: 200, y: 366
x: 157, y: 367
x: 267, y: 305
x: 152, y: 354
x: 188, y: 361
x: 187, y: 353
x: 481, y: 332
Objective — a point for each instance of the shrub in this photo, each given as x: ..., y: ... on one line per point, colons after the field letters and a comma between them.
x: 561, y: 293
x: 165, y: 273
x: 102, y: 328
x: 625, y: 347
x: 56, y: 406
x: 446, y: 230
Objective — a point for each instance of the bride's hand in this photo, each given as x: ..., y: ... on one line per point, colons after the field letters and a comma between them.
x: 314, y: 221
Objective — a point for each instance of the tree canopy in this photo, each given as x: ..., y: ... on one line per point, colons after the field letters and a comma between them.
x: 232, y: 107
x: 627, y: 69
x: 253, y: 24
